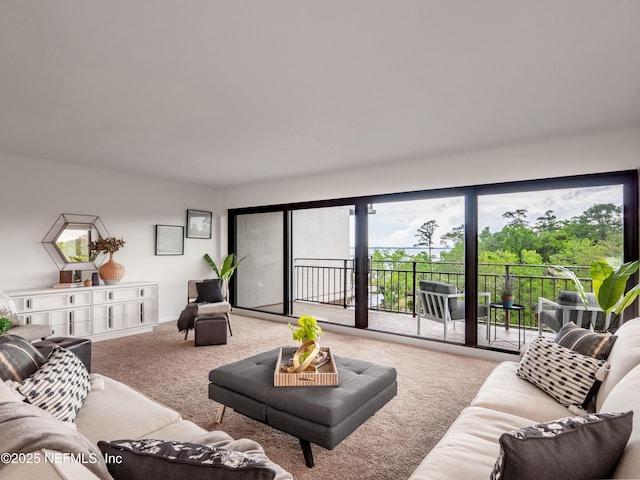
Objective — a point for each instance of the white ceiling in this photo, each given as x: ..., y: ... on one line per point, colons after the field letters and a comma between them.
x: 237, y: 91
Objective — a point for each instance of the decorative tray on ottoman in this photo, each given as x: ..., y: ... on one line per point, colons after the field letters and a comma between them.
x: 324, y: 375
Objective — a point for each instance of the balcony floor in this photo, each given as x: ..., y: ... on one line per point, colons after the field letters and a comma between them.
x: 406, y: 324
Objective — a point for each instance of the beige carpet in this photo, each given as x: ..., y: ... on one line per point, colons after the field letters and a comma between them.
x: 433, y: 388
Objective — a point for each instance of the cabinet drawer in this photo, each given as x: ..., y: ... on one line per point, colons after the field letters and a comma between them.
x: 115, y: 295
x: 38, y: 303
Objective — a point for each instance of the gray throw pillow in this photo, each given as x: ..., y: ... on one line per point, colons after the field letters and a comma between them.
x: 581, y: 340
x: 148, y: 458
x: 572, y: 448
x: 18, y: 358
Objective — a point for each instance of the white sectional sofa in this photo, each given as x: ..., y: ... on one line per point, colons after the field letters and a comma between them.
x: 507, y: 402
x: 111, y: 411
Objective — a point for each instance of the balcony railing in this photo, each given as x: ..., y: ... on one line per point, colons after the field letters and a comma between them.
x: 392, y: 283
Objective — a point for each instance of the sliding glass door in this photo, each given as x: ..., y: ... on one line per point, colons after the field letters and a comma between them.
x: 260, y: 279
x: 322, y: 275
x: 522, y: 234
x: 430, y: 264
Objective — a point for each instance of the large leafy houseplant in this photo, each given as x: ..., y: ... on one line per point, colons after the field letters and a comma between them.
x: 227, y: 269
x: 609, y: 286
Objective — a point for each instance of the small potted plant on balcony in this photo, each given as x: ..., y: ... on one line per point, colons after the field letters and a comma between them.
x: 506, y: 291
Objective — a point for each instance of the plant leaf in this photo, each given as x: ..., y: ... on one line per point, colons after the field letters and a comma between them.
x: 627, y: 300
x: 612, y: 287
x: 212, y: 264
x: 600, y: 270
x: 565, y: 272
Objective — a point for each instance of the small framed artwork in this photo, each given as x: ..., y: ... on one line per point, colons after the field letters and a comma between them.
x: 169, y: 240
x: 198, y: 224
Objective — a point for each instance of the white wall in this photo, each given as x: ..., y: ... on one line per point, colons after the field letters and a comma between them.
x: 33, y: 193
x: 589, y: 153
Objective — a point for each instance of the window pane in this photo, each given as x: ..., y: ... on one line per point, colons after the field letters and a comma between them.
x: 412, y: 242
x: 260, y: 278
x: 522, y: 234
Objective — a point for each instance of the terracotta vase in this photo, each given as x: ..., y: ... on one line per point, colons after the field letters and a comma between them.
x: 111, y: 272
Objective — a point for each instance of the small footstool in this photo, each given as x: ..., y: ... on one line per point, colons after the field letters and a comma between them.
x: 80, y: 346
x: 321, y: 415
x: 210, y: 329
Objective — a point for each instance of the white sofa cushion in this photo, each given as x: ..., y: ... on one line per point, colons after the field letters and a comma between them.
x: 624, y: 356
x: 504, y: 391
x: 623, y: 397
x: 118, y: 411
x: 470, y: 448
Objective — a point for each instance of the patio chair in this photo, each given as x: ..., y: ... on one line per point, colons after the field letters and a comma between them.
x: 441, y: 302
x: 570, y: 308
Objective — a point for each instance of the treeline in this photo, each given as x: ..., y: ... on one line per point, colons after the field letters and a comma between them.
x: 596, y: 233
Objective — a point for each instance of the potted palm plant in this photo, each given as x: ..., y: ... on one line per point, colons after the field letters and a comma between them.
x: 227, y: 269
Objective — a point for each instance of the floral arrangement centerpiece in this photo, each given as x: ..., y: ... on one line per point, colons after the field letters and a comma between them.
x: 110, y: 272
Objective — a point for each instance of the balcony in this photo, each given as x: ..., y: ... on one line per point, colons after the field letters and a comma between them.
x: 324, y: 288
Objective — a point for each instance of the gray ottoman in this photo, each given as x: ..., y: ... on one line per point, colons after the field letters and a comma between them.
x: 210, y: 329
x: 80, y: 346
x: 321, y: 415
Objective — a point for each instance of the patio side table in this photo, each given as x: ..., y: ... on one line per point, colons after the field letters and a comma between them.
x: 493, y: 311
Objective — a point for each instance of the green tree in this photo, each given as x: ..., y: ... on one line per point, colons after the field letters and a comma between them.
x: 516, y: 217
x: 547, y: 223
x: 454, y: 237
x: 425, y: 235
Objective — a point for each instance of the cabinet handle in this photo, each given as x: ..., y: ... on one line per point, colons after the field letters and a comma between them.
x: 71, y: 299
x: 71, y: 323
x: 27, y: 320
x: 110, y: 317
x: 28, y: 303
x: 142, y: 313
x: 142, y: 292
x: 110, y: 295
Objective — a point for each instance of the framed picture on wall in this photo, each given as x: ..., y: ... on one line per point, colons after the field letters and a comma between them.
x: 198, y: 224
x: 169, y: 240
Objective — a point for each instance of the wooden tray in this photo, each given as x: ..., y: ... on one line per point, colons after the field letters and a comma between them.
x: 327, y: 374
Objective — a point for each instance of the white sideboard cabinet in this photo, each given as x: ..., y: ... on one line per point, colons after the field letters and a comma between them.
x: 99, y: 311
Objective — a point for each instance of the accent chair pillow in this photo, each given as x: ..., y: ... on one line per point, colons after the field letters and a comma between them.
x: 573, y: 448
x: 569, y: 377
x: 581, y: 340
x: 148, y: 458
x: 60, y: 386
x: 209, y: 291
x: 18, y: 358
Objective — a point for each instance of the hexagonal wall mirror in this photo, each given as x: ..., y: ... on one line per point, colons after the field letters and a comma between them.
x: 68, y: 241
